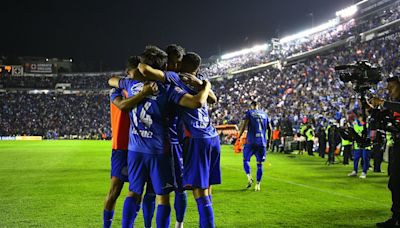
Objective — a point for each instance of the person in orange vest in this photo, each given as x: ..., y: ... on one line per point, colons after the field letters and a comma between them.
x: 276, y: 136
x: 237, y: 146
x: 240, y: 141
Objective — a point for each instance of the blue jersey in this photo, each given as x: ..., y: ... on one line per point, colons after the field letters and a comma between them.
x: 173, y: 131
x: 257, y: 127
x: 149, y: 119
x: 193, y: 123
x: 114, y: 93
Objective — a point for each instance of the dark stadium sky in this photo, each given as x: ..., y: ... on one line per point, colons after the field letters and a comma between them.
x: 108, y: 32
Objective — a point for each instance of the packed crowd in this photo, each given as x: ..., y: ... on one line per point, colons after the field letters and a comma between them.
x: 308, y: 89
x: 55, y: 115
x: 50, y: 82
x: 339, y: 32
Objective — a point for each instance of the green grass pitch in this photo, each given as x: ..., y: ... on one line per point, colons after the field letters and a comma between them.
x: 64, y: 183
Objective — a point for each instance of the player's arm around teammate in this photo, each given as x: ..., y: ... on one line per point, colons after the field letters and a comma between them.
x: 187, y: 100
x: 157, y: 75
x: 129, y: 103
x: 193, y: 81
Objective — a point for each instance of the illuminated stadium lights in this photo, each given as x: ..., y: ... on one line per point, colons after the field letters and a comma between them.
x: 256, y: 48
x: 347, y: 12
x: 320, y: 28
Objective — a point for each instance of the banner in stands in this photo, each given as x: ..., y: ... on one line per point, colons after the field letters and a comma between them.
x: 45, y: 68
x: 29, y: 138
x: 7, y: 138
x: 227, y: 129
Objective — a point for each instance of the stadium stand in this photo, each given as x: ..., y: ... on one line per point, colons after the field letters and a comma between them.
x: 302, y: 84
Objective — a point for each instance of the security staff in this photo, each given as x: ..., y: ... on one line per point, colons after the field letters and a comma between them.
x: 310, y: 140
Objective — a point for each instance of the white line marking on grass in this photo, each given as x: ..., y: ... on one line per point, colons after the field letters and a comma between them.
x: 317, y: 189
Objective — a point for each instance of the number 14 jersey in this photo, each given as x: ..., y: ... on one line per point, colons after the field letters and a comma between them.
x: 149, y: 119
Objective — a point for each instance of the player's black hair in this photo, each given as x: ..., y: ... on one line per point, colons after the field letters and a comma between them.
x: 132, y: 63
x: 190, y: 62
x: 154, y: 57
x: 175, y: 50
x: 253, y: 103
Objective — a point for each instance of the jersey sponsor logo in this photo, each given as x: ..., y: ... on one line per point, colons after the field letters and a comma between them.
x: 136, y: 88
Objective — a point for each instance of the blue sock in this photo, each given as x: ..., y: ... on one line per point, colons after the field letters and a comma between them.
x: 246, y: 167
x: 180, y: 205
x: 206, y: 212
x: 163, y: 216
x: 129, y: 212
x: 259, y: 172
x: 107, y: 218
x: 148, y: 207
x: 210, y: 197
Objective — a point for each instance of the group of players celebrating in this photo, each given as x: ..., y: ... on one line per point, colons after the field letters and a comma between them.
x: 168, y: 144
x: 164, y: 140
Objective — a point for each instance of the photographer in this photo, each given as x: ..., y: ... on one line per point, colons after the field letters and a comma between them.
x: 347, y: 146
x: 333, y: 142
x: 394, y: 179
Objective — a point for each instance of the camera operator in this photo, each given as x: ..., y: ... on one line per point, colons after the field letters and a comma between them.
x: 333, y: 141
x: 394, y: 179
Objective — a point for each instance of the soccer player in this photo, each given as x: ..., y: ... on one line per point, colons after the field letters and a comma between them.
x: 175, y: 54
x: 201, y: 160
x: 148, y: 150
x: 120, y: 137
x: 257, y: 123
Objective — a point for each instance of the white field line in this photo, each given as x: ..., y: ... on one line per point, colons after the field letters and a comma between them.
x: 317, y: 189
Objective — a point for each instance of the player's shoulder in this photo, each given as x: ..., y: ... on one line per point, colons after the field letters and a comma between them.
x: 177, y: 89
x: 129, y: 81
x: 265, y: 114
x: 171, y: 77
x: 115, y: 91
